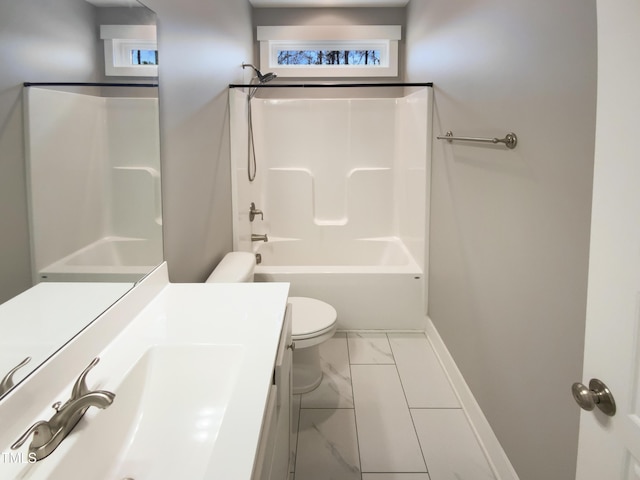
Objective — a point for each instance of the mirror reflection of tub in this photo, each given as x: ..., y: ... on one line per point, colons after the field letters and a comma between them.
x: 94, y: 178
x: 110, y: 259
x: 62, y: 44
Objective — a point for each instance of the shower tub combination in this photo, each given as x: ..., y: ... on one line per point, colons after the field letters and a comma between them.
x: 343, y: 187
x: 94, y: 186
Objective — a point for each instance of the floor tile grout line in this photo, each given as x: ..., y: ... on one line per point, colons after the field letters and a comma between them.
x: 350, y: 365
x: 436, y: 408
x: 353, y: 397
x: 327, y: 408
x: 415, y: 430
x: 355, y: 334
x: 394, y: 473
x: 386, y: 334
x: 374, y: 363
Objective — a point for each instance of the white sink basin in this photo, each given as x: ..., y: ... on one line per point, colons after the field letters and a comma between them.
x: 163, y: 423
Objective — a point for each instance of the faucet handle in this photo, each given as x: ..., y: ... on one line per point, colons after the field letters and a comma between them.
x: 80, y: 387
x: 253, y: 212
x: 7, y: 382
x: 41, y: 435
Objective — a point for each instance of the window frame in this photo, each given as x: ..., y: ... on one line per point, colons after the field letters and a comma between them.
x: 119, y: 40
x: 367, y: 37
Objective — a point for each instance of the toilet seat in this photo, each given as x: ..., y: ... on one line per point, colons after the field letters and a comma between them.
x: 314, y: 321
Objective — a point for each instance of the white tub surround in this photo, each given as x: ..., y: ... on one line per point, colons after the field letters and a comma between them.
x: 235, y: 326
x: 93, y: 167
x: 343, y: 184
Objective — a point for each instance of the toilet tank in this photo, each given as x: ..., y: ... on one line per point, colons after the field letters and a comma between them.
x: 235, y: 267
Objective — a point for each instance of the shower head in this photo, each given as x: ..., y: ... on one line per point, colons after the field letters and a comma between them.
x: 267, y: 77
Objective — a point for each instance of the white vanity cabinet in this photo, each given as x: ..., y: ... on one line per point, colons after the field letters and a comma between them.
x: 273, y: 457
x: 235, y: 425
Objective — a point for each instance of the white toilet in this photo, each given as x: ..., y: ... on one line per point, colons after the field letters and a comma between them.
x: 313, y: 321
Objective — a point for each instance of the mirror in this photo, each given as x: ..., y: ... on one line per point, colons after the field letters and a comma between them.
x: 80, y: 206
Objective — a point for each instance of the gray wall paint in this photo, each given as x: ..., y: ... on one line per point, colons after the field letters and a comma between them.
x: 202, y: 46
x: 40, y: 41
x: 510, y: 229
x: 333, y: 16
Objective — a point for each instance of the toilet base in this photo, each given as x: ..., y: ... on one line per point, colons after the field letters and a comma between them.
x: 307, y: 372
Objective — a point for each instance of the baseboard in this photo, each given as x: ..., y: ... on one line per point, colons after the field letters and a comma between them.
x: 496, y: 456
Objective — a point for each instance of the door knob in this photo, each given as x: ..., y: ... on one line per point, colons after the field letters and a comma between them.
x: 596, y: 395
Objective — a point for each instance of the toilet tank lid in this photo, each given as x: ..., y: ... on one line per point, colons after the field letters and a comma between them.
x: 234, y: 267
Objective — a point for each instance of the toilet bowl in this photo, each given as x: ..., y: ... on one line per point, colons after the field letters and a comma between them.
x: 312, y: 321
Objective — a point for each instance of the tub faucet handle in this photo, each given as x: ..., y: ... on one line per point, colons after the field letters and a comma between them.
x: 253, y: 211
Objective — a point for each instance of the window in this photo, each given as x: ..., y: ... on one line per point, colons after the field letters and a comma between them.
x: 327, y: 55
x: 130, y: 50
x: 327, y: 51
x: 144, y: 57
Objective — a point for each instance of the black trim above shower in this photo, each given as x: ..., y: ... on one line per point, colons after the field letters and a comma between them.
x: 87, y: 84
x: 329, y: 85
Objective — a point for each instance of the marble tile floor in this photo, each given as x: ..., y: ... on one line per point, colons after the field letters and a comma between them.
x: 385, y: 410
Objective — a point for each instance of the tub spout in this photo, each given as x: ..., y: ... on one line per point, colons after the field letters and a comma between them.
x: 259, y: 238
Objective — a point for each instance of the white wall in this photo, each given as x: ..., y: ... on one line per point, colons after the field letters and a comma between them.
x: 510, y: 229
x: 202, y: 46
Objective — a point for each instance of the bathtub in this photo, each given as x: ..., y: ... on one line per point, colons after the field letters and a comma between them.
x: 374, y: 284
x: 109, y: 259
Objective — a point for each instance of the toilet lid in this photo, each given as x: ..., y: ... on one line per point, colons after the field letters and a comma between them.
x: 311, y: 316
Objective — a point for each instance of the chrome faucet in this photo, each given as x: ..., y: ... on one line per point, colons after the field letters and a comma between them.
x: 259, y: 238
x: 253, y: 212
x: 47, y: 435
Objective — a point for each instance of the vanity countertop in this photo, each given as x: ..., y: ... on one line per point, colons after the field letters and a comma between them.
x: 247, y: 317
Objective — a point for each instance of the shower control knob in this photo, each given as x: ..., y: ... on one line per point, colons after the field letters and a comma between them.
x: 597, y: 394
x: 253, y: 211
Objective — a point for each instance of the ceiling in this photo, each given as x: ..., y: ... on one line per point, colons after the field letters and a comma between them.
x: 328, y: 3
